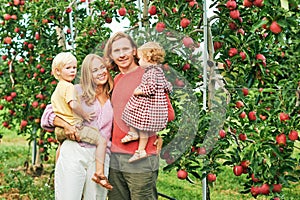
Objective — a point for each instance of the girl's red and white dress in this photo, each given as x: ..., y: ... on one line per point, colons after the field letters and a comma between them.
x: 149, y: 112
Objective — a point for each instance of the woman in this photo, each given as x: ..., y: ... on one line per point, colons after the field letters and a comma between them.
x: 76, y: 163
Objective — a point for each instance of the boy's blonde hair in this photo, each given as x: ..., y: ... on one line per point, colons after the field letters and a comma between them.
x: 152, y: 52
x: 60, y: 61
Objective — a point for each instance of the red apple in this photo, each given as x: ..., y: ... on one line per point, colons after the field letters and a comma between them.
x: 9, y: 98
x: 247, y: 3
x: 179, y: 82
x: 43, y: 106
x: 7, y: 40
x: 255, y: 180
x: 152, y: 10
x: 234, y: 14
x: 40, y: 142
x: 166, y: 67
x: 30, y: 46
x: 6, y: 16
x: 186, y: 67
x: 193, y: 3
x: 243, y: 115
x: 4, y: 57
x: 245, y: 91
x: 222, y: 133
x: 239, y: 104
x: 238, y: 170
x: 187, y: 41
x: 23, y: 123
x: 37, y: 36
x: 231, y: 5
x: 160, y: 27
x: 108, y: 20
x: 35, y: 104
x: 260, y: 57
x: 13, y: 94
x: 122, y: 11
x: 255, y: 191
x: 211, y: 177
x: 262, y: 117
x: 14, y: 17
x: 217, y: 45
x: 258, y: 3
x: 245, y: 164
x: 265, y: 189
x: 5, y: 124
x: 46, y: 158
x: 68, y: 10
x: 184, y: 22
x: 1, y: 107
x: 232, y: 26
x: 277, y: 188
x: 232, y: 52
x: 275, y: 28
x: 42, y: 150
x: 283, y: 116
x: 293, y: 135
x: 182, y: 174
x: 242, y: 136
x: 243, y: 55
x: 201, y: 150
x: 16, y: 2
x: 281, y: 139
x: 252, y: 115
x: 17, y: 30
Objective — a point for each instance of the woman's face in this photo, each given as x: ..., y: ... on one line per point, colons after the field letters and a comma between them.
x: 99, y: 72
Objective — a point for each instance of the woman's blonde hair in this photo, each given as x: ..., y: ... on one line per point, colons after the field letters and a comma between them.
x: 152, y: 52
x: 61, y: 60
x: 86, y: 79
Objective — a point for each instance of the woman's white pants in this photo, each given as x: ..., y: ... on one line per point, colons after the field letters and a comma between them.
x: 73, y: 172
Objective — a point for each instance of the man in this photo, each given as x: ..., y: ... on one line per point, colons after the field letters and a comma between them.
x: 130, y: 180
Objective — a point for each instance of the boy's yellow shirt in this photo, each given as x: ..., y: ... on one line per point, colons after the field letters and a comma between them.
x: 62, y: 95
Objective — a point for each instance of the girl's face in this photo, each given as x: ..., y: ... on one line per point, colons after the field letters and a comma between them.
x: 142, y: 61
x: 99, y: 72
x: 68, y: 72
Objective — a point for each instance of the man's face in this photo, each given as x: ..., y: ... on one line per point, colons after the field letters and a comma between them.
x: 123, y: 54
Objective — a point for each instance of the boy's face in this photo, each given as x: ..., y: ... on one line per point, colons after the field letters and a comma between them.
x: 68, y: 72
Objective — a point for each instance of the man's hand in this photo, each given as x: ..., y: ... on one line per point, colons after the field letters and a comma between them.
x: 158, y: 143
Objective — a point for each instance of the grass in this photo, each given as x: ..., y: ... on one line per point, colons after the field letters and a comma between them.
x: 17, y: 182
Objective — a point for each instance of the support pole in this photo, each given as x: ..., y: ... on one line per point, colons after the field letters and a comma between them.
x: 204, y: 182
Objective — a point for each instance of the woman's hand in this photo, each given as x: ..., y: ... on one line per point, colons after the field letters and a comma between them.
x: 71, y: 132
x: 158, y: 143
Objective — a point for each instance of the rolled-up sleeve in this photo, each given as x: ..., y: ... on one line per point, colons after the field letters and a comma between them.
x: 48, y: 118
